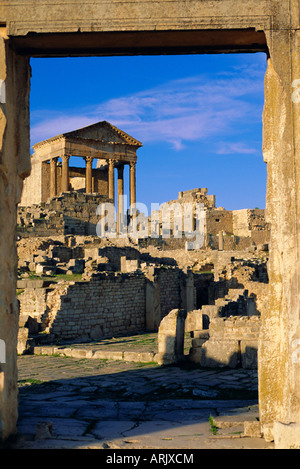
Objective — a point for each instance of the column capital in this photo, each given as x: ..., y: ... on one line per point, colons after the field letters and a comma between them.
x: 132, y: 164
x: 112, y: 162
x: 65, y: 158
x: 88, y: 159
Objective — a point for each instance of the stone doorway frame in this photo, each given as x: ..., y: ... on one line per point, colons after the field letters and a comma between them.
x: 277, y: 32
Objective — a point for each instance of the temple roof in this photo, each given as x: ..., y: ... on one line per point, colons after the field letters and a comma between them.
x: 101, y: 132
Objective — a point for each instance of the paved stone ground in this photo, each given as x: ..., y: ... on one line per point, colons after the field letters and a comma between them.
x: 105, y: 404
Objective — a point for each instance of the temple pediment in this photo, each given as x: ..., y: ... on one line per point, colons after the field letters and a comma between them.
x: 103, y: 132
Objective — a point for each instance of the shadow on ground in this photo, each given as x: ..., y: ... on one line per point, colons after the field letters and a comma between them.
x: 73, y: 403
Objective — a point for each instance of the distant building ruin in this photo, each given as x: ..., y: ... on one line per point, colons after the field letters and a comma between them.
x: 75, y: 213
x: 222, y: 229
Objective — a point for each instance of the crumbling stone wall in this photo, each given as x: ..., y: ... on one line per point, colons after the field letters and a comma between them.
x: 169, y: 280
x: 37, y: 187
x: 103, y: 304
x: 240, y: 229
x: 232, y: 342
x: 33, y: 303
x: 217, y: 220
x: 70, y: 213
x: 106, y: 305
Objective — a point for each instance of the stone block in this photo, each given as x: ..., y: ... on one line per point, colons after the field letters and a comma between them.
x: 249, y: 354
x: 80, y: 353
x: 45, y: 269
x: 196, y: 355
x: 194, y: 321
x: 204, y: 335
x: 217, y: 354
x: 171, y: 337
x: 197, y: 342
x: 109, y: 355
x: 252, y: 429
x: 139, y: 357
x: 22, y: 345
x: 29, y: 283
x: 287, y: 435
x: 47, y: 350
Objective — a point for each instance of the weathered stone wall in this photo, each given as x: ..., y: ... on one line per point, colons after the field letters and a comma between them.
x: 70, y: 213
x: 113, y: 254
x: 33, y: 303
x: 31, y: 194
x: 169, y: 281
x: 105, y: 306
x: 37, y: 187
x: 217, y: 220
x: 251, y: 225
x: 241, y: 229
x: 232, y: 342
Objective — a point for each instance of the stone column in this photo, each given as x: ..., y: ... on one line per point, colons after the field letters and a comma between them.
x: 132, y: 184
x: 53, y: 177
x: 15, y: 167
x: 279, y: 343
x: 88, y: 174
x: 111, y: 180
x: 221, y: 241
x: 120, y: 216
x: 65, y: 183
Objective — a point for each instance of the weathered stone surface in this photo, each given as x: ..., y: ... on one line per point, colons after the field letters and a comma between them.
x: 249, y: 354
x: 44, y: 431
x: 14, y: 167
x: 220, y: 354
x: 194, y: 321
x: 171, y: 337
x: 252, y: 429
x: 287, y: 436
x: 23, y: 345
x: 142, y: 357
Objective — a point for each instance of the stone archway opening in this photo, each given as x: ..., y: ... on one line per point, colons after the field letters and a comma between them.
x: 70, y: 176
x: 233, y: 31
x: 84, y: 173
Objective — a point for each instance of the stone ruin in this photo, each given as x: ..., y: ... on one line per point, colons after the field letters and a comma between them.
x: 81, y: 288
x: 222, y: 229
x: 57, y: 28
x: 74, y: 285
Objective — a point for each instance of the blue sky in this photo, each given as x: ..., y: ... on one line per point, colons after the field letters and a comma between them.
x: 199, y: 118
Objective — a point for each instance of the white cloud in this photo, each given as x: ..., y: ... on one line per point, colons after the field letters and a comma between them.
x: 176, y: 112
x: 56, y: 125
x: 232, y: 148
